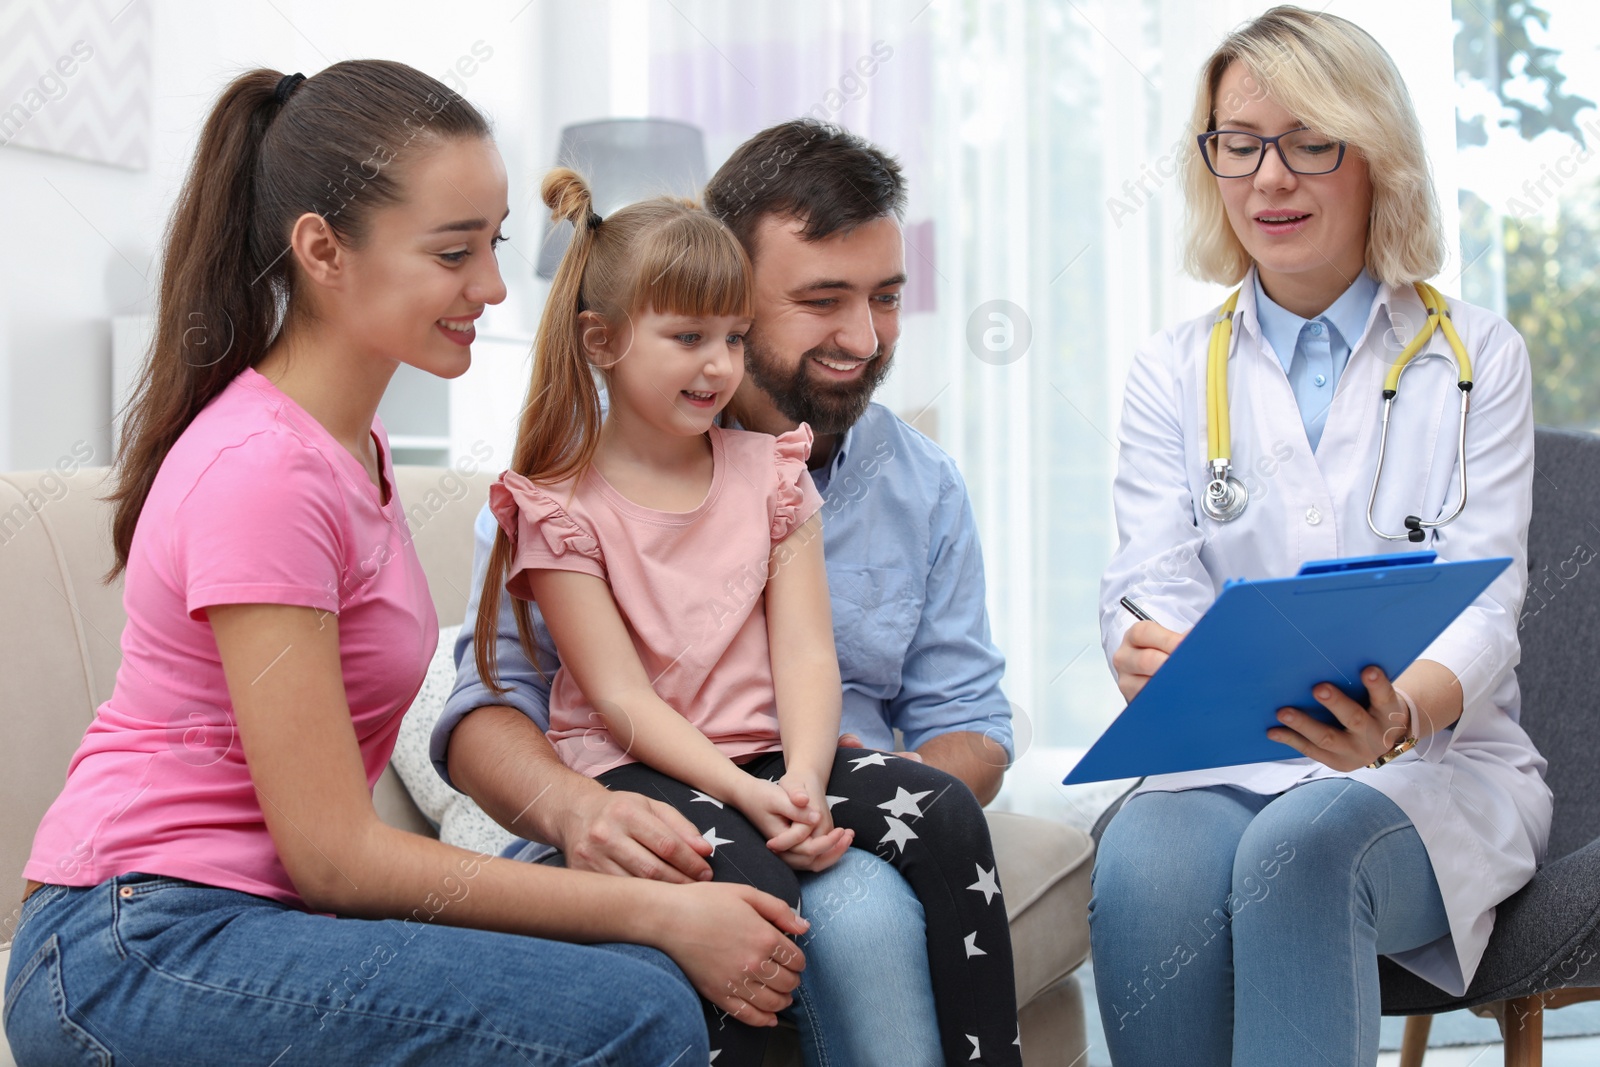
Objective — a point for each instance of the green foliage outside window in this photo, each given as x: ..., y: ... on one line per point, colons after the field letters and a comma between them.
x: 1549, y: 268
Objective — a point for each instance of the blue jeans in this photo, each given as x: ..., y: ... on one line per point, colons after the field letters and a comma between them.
x: 145, y: 969
x: 1233, y: 928
x: 866, y: 995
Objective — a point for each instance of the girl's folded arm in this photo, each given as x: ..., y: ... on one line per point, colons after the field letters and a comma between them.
x: 805, y: 665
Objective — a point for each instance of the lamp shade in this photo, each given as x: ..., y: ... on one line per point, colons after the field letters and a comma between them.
x: 625, y: 161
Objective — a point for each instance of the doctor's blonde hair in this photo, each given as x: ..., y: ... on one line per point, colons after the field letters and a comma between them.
x: 1334, y: 77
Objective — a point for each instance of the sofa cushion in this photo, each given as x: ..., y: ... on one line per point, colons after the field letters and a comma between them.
x: 1044, y: 871
x: 58, y: 644
x: 455, y: 816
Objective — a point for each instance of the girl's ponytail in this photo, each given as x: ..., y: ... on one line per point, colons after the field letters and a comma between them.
x: 273, y: 149
x: 560, y: 422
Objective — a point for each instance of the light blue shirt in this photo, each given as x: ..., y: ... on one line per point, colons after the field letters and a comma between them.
x: 1314, y: 351
x: 905, y: 574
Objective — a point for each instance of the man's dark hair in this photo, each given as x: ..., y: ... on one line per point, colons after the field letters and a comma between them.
x: 821, y: 175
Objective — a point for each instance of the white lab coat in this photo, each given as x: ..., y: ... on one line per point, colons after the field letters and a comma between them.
x: 1475, y: 794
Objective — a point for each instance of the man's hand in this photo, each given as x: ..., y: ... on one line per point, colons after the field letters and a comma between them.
x: 499, y: 758
x: 630, y: 834
x: 979, y: 761
x: 852, y: 741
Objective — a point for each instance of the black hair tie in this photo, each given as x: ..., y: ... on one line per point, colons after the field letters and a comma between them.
x: 286, y: 85
x: 594, y: 221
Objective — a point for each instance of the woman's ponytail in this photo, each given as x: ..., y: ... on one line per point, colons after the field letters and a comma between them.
x: 211, y: 322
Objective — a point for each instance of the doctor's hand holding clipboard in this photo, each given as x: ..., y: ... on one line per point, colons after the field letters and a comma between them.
x: 1363, y: 734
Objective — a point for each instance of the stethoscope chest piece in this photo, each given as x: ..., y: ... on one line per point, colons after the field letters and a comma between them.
x: 1224, y: 499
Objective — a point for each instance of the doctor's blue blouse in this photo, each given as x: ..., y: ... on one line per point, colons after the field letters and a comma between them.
x: 1314, y: 351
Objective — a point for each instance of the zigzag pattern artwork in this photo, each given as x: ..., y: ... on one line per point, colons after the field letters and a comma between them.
x: 75, y: 79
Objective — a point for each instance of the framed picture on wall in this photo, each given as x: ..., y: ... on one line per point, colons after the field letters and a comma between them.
x: 75, y: 79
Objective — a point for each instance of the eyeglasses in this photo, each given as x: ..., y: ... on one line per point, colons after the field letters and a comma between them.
x: 1237, y: 154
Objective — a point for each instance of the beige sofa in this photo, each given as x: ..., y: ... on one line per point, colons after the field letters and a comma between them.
x: 59, y: 651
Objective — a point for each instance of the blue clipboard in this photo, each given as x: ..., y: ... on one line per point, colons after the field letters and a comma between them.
x: 1263, y: 645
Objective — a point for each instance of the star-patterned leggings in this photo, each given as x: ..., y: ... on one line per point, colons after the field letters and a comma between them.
x: 930, y: 827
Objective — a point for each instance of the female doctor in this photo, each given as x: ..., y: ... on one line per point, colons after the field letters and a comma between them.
x: 1239, y: 913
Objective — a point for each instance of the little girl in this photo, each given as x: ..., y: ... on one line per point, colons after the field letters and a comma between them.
x: 670, y: 557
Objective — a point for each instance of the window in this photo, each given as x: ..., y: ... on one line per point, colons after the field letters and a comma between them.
x: 1528, y: 132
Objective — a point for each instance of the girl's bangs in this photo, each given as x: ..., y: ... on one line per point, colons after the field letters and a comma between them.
x: 694, y: 266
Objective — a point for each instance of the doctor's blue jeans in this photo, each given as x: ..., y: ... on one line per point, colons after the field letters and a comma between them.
x: 1231, y: 928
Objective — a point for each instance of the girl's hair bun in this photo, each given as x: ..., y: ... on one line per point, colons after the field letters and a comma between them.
x: 567, y: 195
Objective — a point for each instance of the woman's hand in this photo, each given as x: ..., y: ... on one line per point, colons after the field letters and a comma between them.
x: 730, y: 941
x: 1145, y: 647
x: 1368, y: 732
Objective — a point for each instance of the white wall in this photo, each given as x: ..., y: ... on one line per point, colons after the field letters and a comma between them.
x: 81, y: 238
x: 84, y: 250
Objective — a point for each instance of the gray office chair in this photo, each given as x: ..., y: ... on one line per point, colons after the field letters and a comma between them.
x: 1545, y: 951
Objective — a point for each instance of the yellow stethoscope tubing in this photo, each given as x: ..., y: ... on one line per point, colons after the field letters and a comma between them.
x: 1220, y: 445
x: 1438, y: 318
x: 1219, y: 432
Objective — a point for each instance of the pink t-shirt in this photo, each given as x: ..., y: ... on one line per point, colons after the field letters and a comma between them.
x: 256, y: 503
x: 689, y: 586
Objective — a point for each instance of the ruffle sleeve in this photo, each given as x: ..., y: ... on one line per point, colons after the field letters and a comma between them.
x: 544, y: 536
x: 796, y: 498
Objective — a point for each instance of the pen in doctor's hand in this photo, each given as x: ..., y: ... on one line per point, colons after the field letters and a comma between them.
x: 1135, y: 610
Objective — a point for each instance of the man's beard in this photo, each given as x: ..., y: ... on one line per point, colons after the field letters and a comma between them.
x: 828, y: 407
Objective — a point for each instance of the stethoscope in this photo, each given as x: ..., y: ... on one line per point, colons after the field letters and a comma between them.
x: 1225, y: 496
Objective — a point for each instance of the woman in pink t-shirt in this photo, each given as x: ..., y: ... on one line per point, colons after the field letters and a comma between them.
x: 213, y: 884
x: 679, y: 567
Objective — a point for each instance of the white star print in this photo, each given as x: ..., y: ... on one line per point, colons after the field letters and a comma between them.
x: 701, y: 798
x: 974, y: 1047
x: 877, y: 759
x: 905, y: 802
x: 898, y: 832
x: 713, y: 840
x: 985, y: 884
x: 714, y: 1054
x: 833, y: 800
x: 972, y: 946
